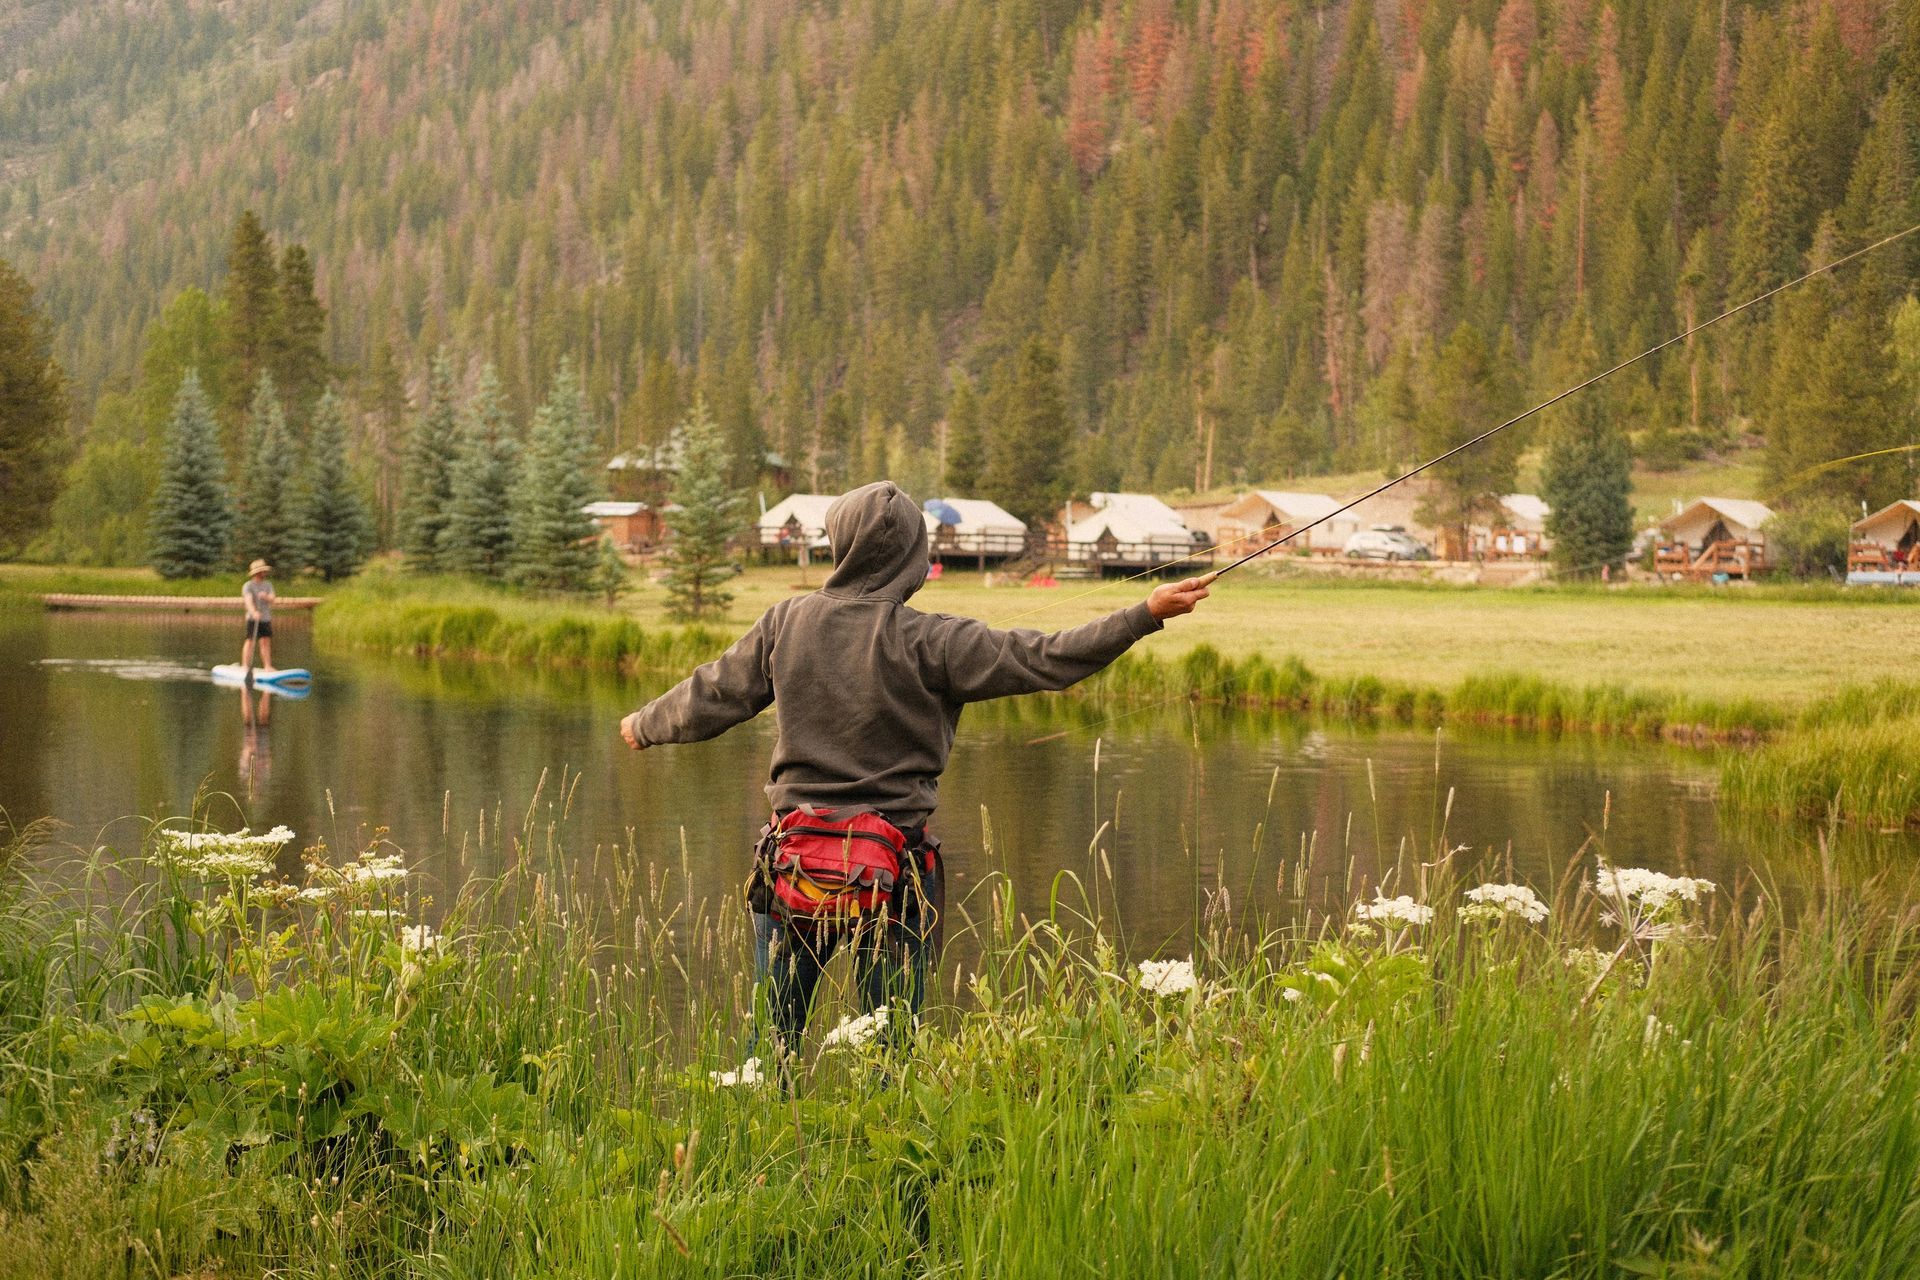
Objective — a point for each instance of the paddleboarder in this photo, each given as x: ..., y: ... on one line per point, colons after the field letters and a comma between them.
x: 868, y: 692
x: 257, y: 598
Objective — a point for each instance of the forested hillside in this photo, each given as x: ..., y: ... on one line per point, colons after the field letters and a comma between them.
x: 1254, y: 235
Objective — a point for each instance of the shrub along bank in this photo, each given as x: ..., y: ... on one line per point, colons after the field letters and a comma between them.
x: 221, y: 1075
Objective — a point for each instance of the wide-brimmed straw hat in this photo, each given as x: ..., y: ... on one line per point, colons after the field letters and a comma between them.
x: 259, y: 566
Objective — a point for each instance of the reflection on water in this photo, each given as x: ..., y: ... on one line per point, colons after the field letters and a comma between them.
x: 103, y: 717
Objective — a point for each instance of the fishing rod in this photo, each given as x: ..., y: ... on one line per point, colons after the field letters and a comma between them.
x: 1570, y: 391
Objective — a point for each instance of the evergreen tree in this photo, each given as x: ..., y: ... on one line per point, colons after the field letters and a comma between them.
x: 966, y: 444
x: 1467, y: 392
x: 1027, y: 472
x: 553, y: 539
x: 430, y: 454
x: 335, y: 529
x: 33, y: 415
x: 192, y: 515
x: 249, y: 313
x: 610, y: 577
x: 297, y: 345
x: 268, y: 524
x: 1587, y: 481
x: 477, y: 537
x: 709, y: 515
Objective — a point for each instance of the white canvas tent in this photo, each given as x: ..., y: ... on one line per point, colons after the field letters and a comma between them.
x: 1705, y: 521
x: 1264, y: 515
x: 1884, y: 548
x: 1130, y: 529
x: 799, y: 519
x: 984, y: 528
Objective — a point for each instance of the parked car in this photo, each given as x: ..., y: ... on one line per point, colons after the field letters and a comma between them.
x: 1385, y: 544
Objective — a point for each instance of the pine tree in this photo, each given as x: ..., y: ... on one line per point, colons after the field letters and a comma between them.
x: 709, y: 515
x: 297, y: 349
x: 335, y: 529
x: 477, y: 537
x: 267, y: 524
x: 430, y: 453
x: 1027, y: 474
x: 1468, y: 391
x: 192, y: 515
x: 553, y: 539
x: 33, y: 414
x: 250, y: 311
x: 966, y: 444
x: 610, y: 577
x: 1587, y: 481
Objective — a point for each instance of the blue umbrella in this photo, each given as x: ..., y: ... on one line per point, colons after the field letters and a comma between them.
x: 942, y: 512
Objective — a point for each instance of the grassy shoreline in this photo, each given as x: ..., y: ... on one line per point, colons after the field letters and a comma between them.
x: 217, y: 1076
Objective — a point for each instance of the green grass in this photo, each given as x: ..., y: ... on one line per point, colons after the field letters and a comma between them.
x: 202, y: 1083
x: 34, y: 579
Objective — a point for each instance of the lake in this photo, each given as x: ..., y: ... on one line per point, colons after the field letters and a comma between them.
x: 105, y: 718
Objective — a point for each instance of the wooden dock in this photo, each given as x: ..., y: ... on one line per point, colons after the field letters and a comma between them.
x: 168, y: 604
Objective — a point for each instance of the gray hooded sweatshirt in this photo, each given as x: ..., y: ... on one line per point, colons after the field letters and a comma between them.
x: 868, y: 690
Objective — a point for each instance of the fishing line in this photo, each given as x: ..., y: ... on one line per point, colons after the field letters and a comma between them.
x: 1488, y: 434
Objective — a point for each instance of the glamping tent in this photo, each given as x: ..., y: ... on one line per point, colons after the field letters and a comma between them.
x: 1518, y: 531
x: 973, y: 527
x: 1884, y: 548
x: 797, y: 521
x: 1711, y: 537
x: 1265, y: 515
x: 1130, y: 531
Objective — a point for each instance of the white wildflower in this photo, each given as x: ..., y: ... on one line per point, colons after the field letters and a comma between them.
x: 1402, y: 910
x: 374, y: 870
x: 1292, y: 995
x: 316, y: 893
x: 748, y: 1074
x: 1495, y: 901
x: 1650, y: 891
x: 1166, y: 977
x: 215, y: 855
x: 420, y: 937
x: 379, y: 915
x: 856, y: 1033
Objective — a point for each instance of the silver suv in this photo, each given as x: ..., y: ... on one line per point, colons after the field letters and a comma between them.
x: 1385, y: 542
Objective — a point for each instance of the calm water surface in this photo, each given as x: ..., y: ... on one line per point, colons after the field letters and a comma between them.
x: 103, y: 718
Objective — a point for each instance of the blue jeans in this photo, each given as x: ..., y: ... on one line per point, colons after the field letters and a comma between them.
x: 892, y: 959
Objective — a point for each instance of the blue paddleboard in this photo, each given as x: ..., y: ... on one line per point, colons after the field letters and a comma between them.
x: 278, y: 678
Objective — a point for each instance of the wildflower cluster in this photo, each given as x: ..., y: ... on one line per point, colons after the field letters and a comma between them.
x: 748, y: 1074
x: 1166, y: 977
x: 1649, y: 891
x: 1494, y: 902
x: 213, y: 855
x: 857, y: 1033
x: 1393, y: 912
x: 369, y: 871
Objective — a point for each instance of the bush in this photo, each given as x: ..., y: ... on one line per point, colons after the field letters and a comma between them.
x: 1809, y: 543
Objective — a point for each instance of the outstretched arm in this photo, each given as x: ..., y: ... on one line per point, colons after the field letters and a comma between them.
x: 975, y: 662
x: 734, y: 687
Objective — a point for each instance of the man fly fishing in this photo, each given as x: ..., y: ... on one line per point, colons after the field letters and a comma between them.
x: 868, y: 693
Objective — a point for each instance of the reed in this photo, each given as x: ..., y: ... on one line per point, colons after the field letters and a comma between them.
x: 1864, y: 772
x: 213, y: 1077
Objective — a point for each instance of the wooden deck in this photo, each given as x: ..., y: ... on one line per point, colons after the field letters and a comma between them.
x: 1734, y: 559
x: 169, y: 604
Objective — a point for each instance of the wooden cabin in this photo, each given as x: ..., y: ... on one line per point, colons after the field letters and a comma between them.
x: 633, y: 526
x: 1884, y: 548
x: 1714, y: 538
x: 1133, y: 531
x: 1267, y: 515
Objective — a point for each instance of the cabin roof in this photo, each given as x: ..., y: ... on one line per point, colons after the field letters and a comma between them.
x: 610, y: 510
x: 1741, y: 511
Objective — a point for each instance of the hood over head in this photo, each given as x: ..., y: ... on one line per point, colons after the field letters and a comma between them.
x: 879, y: 542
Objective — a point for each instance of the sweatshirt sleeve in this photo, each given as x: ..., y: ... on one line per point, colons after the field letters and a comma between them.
x: 975, y: 662
x: 733, y: 688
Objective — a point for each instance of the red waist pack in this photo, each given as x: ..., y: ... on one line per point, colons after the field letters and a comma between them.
x: 823, y: 867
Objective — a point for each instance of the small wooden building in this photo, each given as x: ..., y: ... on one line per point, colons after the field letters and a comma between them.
x: 1714, y: 537
x: 1267, y: 515
x: 1884, y: 548
x: 633, y: 526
